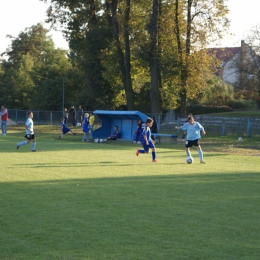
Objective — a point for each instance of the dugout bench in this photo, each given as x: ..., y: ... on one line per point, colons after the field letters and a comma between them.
x: 173, y: 138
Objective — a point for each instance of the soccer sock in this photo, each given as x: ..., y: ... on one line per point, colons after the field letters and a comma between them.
x: 22, y: 143
x: 188, y: 153
x: 141, y: 151
x: 33, y: 146
x: 200, y: 154
x: 154, y: 155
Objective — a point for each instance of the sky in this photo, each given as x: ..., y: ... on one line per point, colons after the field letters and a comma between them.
x: 16, y: 15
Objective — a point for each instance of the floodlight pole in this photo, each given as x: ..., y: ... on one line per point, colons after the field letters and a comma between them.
x: 63, y: 96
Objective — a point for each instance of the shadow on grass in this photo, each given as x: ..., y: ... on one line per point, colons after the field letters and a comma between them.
x: 154, y: 217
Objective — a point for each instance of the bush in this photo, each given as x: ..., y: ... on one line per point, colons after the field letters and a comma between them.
x: 202, y: 109
x: 243, y: 104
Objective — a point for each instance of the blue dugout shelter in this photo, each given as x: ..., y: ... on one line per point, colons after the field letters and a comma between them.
x: 125, y: 120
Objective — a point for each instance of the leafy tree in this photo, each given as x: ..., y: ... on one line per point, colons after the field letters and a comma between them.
x: 197, y: 22
x: 123, y: 58
x: 124, y: 47
x: 92, y: 28
x: 216, y: 93
x: 48, y: 81
x: 33, y: 71
x: 247, y: 67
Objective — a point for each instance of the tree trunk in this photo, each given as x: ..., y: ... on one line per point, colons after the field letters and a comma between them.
x: 183, y: 54
x: 155, y: 94
x: 124, y: 62
x: 128, y: 81
x: 183, y: 103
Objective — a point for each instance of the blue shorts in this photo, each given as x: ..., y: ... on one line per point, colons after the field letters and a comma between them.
x: 85, y: 129
x: 150, y: 145
x: 65, y: 130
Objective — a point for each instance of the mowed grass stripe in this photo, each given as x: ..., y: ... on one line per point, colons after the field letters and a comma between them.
x: 74, y: 200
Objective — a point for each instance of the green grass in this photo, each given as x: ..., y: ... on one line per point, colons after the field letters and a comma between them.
x: 74, y: 200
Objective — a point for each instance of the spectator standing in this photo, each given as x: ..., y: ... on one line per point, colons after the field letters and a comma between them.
x: 80, y: 114
x: 72, y: 111
x: 66, y: 115
x: 4, y: 117
x: 154, y: 127
x: 138, y: 131
x: 91, y: 123
x: 85, y: 127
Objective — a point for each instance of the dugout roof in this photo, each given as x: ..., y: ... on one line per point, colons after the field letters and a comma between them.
x: 125, y: 120
x: 127, y: 115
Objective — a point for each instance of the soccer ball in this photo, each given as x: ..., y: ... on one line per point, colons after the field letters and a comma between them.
x: 78, y: 124
x: 240, y: 139
x: 96, y: 140
x: 101, y: 140
x: 189, y: 160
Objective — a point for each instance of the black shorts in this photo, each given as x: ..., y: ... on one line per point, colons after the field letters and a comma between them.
x: 30, y: 137
x: 191, y: 143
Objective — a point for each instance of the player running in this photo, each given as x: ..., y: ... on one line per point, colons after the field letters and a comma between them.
x: 29, y: 133
x: 147, y: 140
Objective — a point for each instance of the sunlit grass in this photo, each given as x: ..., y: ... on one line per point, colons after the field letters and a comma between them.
x: 74, y: 200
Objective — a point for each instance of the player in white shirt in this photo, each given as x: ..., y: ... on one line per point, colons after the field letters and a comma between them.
x: 29, y: 133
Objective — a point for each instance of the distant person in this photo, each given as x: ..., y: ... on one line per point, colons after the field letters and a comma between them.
x: 115, y: 135
x: 72, y: 111
x: 193, y: 135
x: 91, y: 123
x: 64, y: 128
x: 138, y: 132
x: 147, y: 140
x: 80, y: 114
x: 29, y: 133
x: 66, y: 115
x: 4, y: 118
x: 85, y: 127
x: 154, y: 128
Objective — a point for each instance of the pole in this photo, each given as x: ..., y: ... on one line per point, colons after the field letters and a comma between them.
x: 63, y: 96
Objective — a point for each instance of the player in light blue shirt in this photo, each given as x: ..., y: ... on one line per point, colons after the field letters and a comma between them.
x: 29, y: 133
x: 193, y: 135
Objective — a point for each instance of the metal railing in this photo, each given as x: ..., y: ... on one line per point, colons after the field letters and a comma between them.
x: 166, y: 122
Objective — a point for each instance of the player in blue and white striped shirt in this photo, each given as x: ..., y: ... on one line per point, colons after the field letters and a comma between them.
x: 193, y: 135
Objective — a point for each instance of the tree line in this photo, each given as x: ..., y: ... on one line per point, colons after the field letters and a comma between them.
x: 124, y: 54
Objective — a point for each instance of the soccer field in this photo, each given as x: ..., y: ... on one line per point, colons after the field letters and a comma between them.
x: 75, y: 200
